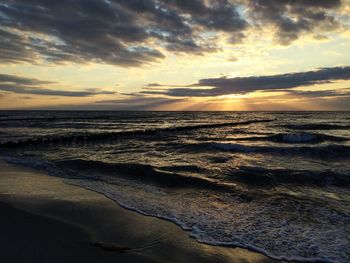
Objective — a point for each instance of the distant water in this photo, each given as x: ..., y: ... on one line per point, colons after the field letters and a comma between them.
x: 278, y: 183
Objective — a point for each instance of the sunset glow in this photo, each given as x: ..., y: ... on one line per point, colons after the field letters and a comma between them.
x: 129, y: 55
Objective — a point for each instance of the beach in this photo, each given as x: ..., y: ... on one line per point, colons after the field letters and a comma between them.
x: 44, y: 219
x: 178, y: 187
x: 175, y: 131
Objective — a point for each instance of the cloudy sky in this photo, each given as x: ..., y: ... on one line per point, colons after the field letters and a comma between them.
x: 175, y: 54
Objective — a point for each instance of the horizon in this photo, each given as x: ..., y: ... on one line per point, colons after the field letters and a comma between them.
x: 199, y: 55
x: 282, y: 111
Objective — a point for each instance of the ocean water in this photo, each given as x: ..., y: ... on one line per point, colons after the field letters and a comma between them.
x: 277, y: 183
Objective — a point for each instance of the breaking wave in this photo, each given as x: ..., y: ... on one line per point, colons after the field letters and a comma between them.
x: 277, y: 187
x: 134, y: 171
x: 301, y: 137
x: 317, y: 126
x: 108, y: 136
x: 320, y: 151
x: 274, y: 225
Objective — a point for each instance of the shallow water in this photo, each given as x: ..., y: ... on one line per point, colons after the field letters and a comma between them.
x: 278, y: 183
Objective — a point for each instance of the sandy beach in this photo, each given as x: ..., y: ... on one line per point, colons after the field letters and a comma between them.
x: 46, y: 220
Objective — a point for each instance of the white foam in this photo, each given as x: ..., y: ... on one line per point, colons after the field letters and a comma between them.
x: 281, y: 229
x: 286, y: 229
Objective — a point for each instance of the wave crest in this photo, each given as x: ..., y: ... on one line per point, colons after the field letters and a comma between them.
x: 320, y: 151
x: 108, y: 136
x: 135, y: 171
x: 297, y: 137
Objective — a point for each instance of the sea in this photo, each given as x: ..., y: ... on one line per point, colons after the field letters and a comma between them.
x: 273, y: 182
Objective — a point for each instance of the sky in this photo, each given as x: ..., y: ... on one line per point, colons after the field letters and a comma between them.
x: 175, y: 54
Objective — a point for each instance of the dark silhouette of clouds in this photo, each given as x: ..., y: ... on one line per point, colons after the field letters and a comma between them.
x: 134, y: 32
x: 21, y: 85
x: 293, y: 18
x: 320, y: 93
x: 6, y: 78
x: 242, y: 85
x: 113, y: 32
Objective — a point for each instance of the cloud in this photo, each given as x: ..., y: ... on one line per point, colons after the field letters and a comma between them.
x: 320, y: 93
x: 135, y: 102
x: 112, y: 32
x: 242, y: 85
x: 294, y: 18
x: 5, y: 78
x: 139, y: 102
x: 137, y: 32
x: 152, y: 85
x: 232, y: 59
x: 21, y: 85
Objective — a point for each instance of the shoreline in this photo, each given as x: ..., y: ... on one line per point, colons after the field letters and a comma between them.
x: 97, y: 228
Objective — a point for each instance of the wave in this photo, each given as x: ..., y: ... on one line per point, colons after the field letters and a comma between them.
x: 52, y: 119
x: 96, y: 171
x: 275, y: 177
x: 305, y: 137
x: 302, y: 137
x: 317, y: 126
x: 320, y: 151
x: 107, y: 136
x: 232, y: 147
x: 140, y: 172
x: 271, y: 225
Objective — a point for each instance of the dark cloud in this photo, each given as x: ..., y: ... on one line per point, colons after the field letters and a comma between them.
x: 154, y: 85
x: 114, y: 32
x: 6, y: 78
x: 293, y: 18
x: 21, y: 85
x: 241, y: 85
x: 158, y: 86
x: 218, y: 15
x: 133, y: 32
x: 320, y: 93
x: 308, y: 94
x: 78, y: 31
x: 13, y: 48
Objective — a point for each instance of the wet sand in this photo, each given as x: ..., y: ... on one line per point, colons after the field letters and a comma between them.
x: 44, y: 219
